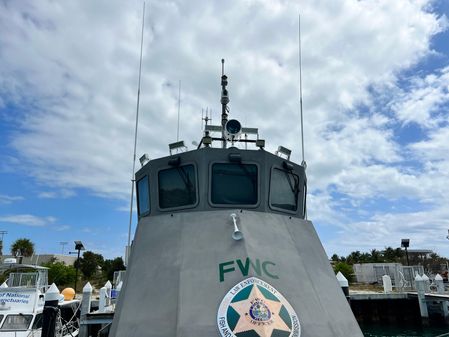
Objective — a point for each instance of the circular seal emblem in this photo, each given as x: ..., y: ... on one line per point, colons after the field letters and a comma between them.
x: 255, y: 308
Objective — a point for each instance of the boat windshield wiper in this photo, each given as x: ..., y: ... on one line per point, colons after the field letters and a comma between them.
x: 183, y: 174
x: 293, y: 182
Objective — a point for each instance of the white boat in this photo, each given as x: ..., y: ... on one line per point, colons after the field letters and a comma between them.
x: 22, y: 300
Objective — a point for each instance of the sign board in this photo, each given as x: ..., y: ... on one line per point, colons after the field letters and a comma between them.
x: 18, y: 299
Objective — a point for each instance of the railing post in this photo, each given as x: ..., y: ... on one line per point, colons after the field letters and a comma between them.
x: 440, y: 289
x: 85, y: 309
x: 421, y: 290
x: 103, y: 299
x: 50, y: 312
x: 388, y: 287
x: 108, y: 286
x: 426, y: 280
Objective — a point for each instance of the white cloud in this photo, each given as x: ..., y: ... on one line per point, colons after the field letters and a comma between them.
x: 28, y: 220
x: 63, y: 193
x: 61, y: 228
x: 425, y: 229
x: 83, y: 80
x: 422, y: 103
x: 9, y: 199
x: 70, y: 69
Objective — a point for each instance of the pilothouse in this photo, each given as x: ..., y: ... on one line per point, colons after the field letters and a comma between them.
x: 223, y: 247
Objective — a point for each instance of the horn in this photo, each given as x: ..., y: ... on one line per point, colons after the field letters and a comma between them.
x: 237, y: 235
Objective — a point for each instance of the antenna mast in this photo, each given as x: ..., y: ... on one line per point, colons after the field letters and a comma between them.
x: 303, y: 162
x: 135, y: 139
x: 179, y: 109
x: 224, y: 101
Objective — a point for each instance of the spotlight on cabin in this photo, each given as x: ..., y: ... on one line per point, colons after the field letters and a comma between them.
x: 178, y: 146
x: 233, y: 130
x: 283, y: 152
x: 144, y: 159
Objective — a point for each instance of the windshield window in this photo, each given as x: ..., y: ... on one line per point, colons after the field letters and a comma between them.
x: 143, y: 200
x: 177, y: 187
x: 284, y: 190
x: 234, y: 184
x: 17, y: 322
x: 37, y: 324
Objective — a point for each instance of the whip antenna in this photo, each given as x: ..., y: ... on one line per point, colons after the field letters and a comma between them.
x: 303, y: 162
x: 135, y: 140
x: 179, y: 109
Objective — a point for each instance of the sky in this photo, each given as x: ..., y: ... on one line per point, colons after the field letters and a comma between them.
x: 375, y: 83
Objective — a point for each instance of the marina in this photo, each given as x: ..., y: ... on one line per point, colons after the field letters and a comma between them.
x: 230, y: 232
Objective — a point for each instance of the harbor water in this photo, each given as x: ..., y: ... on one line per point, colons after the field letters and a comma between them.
x: 382, y: 330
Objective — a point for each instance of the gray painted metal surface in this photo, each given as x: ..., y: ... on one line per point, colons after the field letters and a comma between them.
x: 173, y: 287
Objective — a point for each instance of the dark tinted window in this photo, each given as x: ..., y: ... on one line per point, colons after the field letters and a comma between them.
x: 143, y: 200
x: 177, y: 187
x: 37, y: 322
x: 284, y: 190
x: 234, y: 184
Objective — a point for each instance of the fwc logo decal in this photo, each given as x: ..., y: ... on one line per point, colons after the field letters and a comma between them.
x: 255, y: 308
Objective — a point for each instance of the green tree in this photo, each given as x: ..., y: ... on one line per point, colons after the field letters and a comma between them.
x: 60, y: 274
x: 354, y: 257
x: 89, y: 263
x: 110, y: 266
x: 390, y: 255
x: 345, y: 269
x: 376, y: 256
x: 22, y: 247
x: 335, y: 258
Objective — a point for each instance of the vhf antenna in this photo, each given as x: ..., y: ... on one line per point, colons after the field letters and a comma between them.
x: 135, y: 139
x: 224, y: 101
x: 179, y: 109
x: 303, y: 162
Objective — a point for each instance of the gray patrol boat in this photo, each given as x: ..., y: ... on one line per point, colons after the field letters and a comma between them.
x: 223, y: 246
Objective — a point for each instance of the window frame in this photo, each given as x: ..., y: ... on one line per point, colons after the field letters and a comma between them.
x: 149, y: 196
x: 301, y: 190
x: 15, y: 329
x: 197, y: 194
x: 259, y: 183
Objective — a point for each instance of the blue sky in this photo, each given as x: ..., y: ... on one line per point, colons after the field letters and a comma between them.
x: 376, y: 98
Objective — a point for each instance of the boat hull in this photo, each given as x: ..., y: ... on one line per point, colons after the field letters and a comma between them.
x: 183, y: 265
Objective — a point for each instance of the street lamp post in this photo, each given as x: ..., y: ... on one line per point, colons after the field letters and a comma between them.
x: 406, y: 243
x: 78, y: 247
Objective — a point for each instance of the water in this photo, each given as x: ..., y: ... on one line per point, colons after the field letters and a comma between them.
x: 378, y: 330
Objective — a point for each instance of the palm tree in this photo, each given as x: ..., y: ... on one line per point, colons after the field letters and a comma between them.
x: 22, y: 247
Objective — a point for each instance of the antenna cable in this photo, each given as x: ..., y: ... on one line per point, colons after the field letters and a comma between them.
x: 135, y: 137
x: 179, y: 109
x: 303, y: 163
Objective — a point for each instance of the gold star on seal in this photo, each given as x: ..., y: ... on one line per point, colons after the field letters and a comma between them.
x: 264, y: 328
